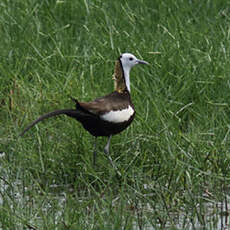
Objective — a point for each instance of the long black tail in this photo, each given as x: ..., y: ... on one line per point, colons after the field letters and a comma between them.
x: 69, y: 112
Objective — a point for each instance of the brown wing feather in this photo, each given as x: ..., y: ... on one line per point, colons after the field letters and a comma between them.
x: 114, y: 101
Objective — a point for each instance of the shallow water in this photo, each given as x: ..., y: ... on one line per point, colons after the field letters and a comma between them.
x: 12, y: 196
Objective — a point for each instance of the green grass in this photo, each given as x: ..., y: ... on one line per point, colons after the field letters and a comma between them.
x: 174, y: 159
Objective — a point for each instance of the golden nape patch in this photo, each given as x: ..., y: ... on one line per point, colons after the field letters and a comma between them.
x: 119, y: 81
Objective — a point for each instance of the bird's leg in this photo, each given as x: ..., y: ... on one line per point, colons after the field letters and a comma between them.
x: 94, y: 151
x: 106, y: 150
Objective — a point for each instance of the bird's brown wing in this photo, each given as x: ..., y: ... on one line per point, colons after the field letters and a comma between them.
x: 114, y: 101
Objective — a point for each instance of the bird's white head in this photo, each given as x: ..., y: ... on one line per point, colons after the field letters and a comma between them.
x: 128, y: 61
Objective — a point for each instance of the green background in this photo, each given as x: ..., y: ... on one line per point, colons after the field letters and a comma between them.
x: 174, y: 158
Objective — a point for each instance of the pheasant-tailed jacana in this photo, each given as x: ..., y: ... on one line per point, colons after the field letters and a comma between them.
x: 108, y: 115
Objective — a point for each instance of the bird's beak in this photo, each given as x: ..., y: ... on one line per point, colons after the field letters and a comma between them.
x: 142, y: 62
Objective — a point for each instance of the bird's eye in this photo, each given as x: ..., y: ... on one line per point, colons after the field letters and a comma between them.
x: 130, y: 58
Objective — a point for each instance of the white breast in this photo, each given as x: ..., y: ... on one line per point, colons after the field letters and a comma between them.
x: 118, y: 115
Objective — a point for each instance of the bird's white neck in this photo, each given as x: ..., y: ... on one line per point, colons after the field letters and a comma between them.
x: 127, y: 79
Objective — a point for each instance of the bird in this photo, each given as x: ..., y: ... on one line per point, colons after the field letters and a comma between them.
x: 107, y: 115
